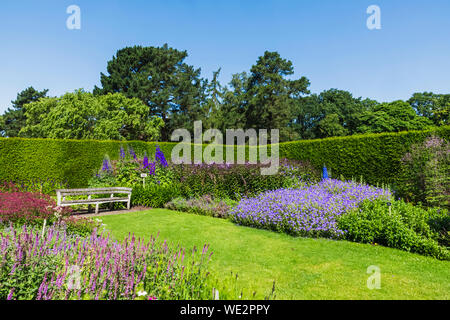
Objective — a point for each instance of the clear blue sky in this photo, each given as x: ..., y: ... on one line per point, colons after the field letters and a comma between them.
x: 327, y: 41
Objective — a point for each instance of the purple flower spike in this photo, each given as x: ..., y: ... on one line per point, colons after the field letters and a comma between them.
x: 159, y: 156
x: 106, y: 165
x: 132, y: 153
x: 152, y: 168
x: 145, y: 163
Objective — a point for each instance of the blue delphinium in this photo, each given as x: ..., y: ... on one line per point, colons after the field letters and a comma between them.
x: 106, y: 165
x: 132, y: 153
x: 152, y: 168
x: 145, y: 163
x: 325, y: 173
x: 159, y: 156
x: 122, y: 153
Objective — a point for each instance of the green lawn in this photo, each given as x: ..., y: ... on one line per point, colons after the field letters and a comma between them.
x: 303, y: 268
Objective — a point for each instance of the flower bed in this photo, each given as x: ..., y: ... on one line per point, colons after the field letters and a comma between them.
x: 60, y: 266
x: 310, y: 211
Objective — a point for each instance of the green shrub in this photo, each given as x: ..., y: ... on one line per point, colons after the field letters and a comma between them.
x: 405, y: 227
x: 427, y: 173
x: 155, y: 196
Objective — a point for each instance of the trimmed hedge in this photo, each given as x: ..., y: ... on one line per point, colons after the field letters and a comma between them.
x: 74, y: 161
x: 375, y: 157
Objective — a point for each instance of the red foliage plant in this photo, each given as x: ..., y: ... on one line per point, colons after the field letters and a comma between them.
x: 28, y: 207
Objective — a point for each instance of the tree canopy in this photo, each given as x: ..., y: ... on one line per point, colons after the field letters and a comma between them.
x: 148, y: 92
x: 171, y: 89
x: 14, y: 118
x: 81, y: 115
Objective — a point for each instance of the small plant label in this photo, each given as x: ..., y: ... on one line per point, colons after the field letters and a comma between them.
x: 144, y: 175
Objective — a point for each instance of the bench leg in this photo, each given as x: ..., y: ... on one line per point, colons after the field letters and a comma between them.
x: 96, y: 208
x: 128, y: 205
x: 89, y: 208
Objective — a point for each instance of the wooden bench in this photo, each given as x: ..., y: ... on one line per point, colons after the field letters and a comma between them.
x: 62, y: 194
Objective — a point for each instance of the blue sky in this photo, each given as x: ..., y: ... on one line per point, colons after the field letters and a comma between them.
x: 327, y: 41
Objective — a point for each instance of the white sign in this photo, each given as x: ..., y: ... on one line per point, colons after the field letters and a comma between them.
x: 144, y: 175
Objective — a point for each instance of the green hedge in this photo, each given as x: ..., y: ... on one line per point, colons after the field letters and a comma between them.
x: 72, y: 160
x: 376, y: 157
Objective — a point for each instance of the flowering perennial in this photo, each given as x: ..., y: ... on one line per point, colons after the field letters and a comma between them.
x: 310, y: 211
x: 60, y: 266
x: 159, y: 156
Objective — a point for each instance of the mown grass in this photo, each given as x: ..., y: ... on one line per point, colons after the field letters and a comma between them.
x: 302, y: 268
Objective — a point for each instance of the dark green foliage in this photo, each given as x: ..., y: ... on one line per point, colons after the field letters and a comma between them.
x: 331, y: 113
x: 264, y: 98
x: 14, y: 118
x: 160, y: 78
x: 406, y: 227
x: 435, y: 107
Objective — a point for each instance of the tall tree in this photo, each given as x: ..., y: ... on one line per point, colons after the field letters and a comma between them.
x: 331, y: 113
x: 14, y: 118
x: 392, y: 117
x: 81, y: 115
x: 158, y: 76
x: 270, y: 97
x: 230, y: 112
x: 435, y: 107
x: 214, y: 94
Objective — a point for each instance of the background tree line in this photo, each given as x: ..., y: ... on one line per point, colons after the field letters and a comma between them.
x: 148, y: 92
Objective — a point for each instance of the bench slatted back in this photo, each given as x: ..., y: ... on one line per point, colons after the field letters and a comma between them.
x: 80, y: 192
x: 63, y: 193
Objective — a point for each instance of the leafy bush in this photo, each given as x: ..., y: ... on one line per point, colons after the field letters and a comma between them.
x: 234, y: 181
x: 206, y: 205
x: 427, y: 173
x: 311, y: 211
x: 59, y: 266
x: 155, y: 196
x: 32, y: 208
x: 406, y: 227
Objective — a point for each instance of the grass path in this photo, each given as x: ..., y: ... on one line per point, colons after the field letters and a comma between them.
x: 302, y: 268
